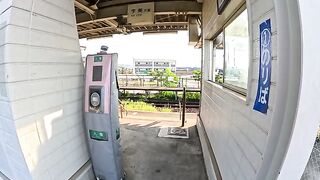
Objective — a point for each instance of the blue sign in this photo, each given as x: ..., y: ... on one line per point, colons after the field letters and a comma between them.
x: 263, y: 91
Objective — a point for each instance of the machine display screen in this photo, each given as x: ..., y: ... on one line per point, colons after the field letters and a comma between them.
x: 97, y: 73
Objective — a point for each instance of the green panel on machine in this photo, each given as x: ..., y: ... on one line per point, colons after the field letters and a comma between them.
x: 97, y: 58
x: 98, y: 135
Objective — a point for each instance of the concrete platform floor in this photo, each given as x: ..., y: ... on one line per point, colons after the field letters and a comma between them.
x: 148, y: 157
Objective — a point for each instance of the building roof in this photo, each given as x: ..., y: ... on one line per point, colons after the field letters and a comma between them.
x: 103, y: 18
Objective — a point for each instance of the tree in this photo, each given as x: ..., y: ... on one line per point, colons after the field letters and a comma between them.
x: 157, y: 76
x: 196, y: 75
x: 166, y: 78
x: 171, y: 79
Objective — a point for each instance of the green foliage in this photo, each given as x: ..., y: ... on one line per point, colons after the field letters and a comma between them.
x: 157, y: 76
x: 169, y: 95
x: 196, y: 75
x: 167, y: 78
x: 193, y: 96
x: 164, y: 95
x: 169, y: 84
x: 219, y: 78
x: 142, y: 106
x: 165, y: 109
x: 168, y: 73
x: 171, y: 79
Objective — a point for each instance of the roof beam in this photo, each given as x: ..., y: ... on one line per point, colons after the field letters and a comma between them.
x: 111, y: 22
x: 84, y: 2
x: 94, y: 21
x: 170, y: 23
x: 83, y: 6
x: 152, y: 25
x: 161, y: 7
x: 98, y: 36
x: 95, y: 30
x: 123, y: 2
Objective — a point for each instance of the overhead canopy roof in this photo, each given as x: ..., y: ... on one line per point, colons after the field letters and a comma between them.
x: 101, y: 18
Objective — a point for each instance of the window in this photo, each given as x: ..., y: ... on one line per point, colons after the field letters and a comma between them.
x: 237, y: 52
x: 218, y: 55
x: 211, y: 76
x: 230, y: 55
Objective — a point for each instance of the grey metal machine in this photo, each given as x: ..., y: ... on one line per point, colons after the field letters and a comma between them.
x: 101, y: 116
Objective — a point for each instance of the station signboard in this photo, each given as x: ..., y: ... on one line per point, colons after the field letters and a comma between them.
x: 263, y: 90
x: 141, y: 14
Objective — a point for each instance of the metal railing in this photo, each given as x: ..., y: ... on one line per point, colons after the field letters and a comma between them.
x: 148, y: 81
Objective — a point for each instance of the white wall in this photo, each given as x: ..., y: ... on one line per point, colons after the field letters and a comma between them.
x: 307, y: 119
x: 237, y: 134
x: 246, y: 143
x: 41, y: 85
x: 12, y: 164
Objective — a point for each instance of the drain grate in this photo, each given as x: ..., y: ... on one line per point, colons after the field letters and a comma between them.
x: 174, y: 132
x: 177, y: 131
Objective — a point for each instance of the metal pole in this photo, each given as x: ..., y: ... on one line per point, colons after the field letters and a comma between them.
x: 176, y: 95
x: 121, y: 108
x: 126, y: 79
x: 180, y: 115
x: 186, y: 82
x: 183, y: 106
x: 142, y: 80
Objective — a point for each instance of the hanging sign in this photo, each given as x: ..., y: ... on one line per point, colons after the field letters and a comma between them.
x: 141, y: 14
x: 263, y: 91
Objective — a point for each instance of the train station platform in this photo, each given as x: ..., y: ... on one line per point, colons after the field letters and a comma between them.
x: 147, y: 156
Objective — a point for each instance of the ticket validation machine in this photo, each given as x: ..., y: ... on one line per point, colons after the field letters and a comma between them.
x: 101, y: 116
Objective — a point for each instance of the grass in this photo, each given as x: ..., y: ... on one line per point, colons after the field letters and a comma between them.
x: 142, y: 106
x: 165, y: 109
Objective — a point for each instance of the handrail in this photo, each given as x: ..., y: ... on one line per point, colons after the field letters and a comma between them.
x: 158, y: 89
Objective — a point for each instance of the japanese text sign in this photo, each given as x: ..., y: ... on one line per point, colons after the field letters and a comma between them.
x: 263, y: 91
x: 141, y: 14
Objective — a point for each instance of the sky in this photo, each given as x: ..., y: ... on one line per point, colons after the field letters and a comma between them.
x: 154, y: 46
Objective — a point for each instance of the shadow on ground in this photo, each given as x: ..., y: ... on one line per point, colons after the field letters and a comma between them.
x: 148, y: 157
